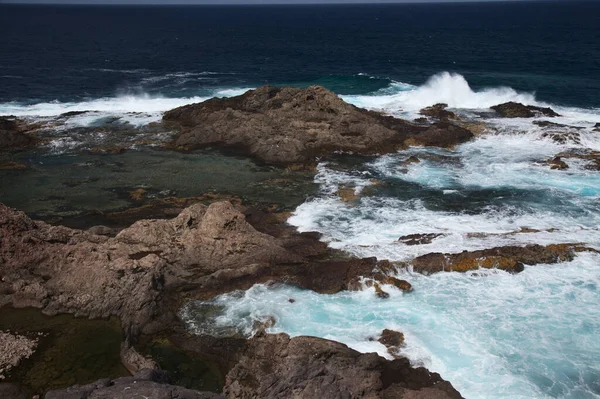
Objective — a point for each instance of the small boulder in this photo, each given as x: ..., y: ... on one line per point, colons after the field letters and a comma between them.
x: 379, y: 292
x: 558, y: 163
x: 393, y: 341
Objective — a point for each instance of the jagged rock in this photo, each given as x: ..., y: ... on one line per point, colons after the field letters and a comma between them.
x: 275, y: 366
x: 419, y: 239
x: 402, y: 285
x: 438, y: 111
x: 410, y: 160
x: 286, y: 125
x: 134, y: 361
x: 441, y: 134
x: 150, y: 384
x: 563, y: 137
x: 379, y: 292
x: 558, y: 163
x: 13, y: 134
x: 206, y: 249
x: 592, y: 157
x: 509, y: 258
x: 517, y: 110
x: 393, y: 341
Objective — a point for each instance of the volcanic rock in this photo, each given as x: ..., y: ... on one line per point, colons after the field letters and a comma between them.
x: 206, y: 250
x: 509, y: 258
x: 13, y: 134
x: 275, y: 366
x: 145, y: 384
x: 419, y: 239
x: 441, y: 134
x: 558, y: 163
x: 286, y: 125
x: 518, y: 110
x: 438, y: 111
x: 393, y: 341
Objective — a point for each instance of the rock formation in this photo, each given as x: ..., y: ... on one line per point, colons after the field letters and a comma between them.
x: 13, y: 134
x: 286, y: 125
x: 275, y: 366
x: 509, y: 258
x: 438, y: 111
x: 517, y: 110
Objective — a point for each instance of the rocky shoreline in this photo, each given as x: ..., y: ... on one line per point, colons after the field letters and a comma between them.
x: 143, y: 274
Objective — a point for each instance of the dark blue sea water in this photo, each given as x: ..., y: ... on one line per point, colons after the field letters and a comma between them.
x: 69, y: 53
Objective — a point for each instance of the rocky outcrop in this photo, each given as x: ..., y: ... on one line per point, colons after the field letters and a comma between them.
x: 517, y: 110
x: 393, y: 341
x: 206, y: 250
x: 557, y: 163
x: 13, y: 134
x: 275, y: 366
x: 592, y: 158
x: 509, y: 258
x: 151, y: 384
x: 286, y: 125
x: 438, y: 111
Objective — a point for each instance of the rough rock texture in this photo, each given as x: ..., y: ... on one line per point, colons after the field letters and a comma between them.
x: 557, y: 163
x: 591, y: 157
x: 204, y: 250
x: 14, y: 348
x: 419, y: 239
x: 438, y: 111
x: 509, y: 258
x: 13, y: 134
x: 149, y: 384
x: 286, y: 125
x: 393, y: 341
x: 518, y: 110
x: 275, y: 366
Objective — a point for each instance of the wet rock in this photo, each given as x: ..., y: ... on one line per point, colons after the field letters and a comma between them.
x: 275, y: 366
x: 379, y: 292
x: 591, y: 157
x: 347, y: 194
x: 14, y: 134
x: 134, y: 361
x: 563, y: 137
x: 549, y: 124
x: 107, y: 150
x: 285, y: 126
x: 12, y: 391
x: 419, y: 239
x: 518, y: 110
x: 393, y: 341
x: 597, y: 127
x: 509, y: 258
x: 421, y: 120
x: 145, y: 384
x: 137, y: 195
x: 260, y: 326
x: 412, y: 159
x: 12, y: 166
x: 438, y: 111
x: 402, y: 285
x: 70, y: 114
x: 558, y: 163
x: 442, y: 135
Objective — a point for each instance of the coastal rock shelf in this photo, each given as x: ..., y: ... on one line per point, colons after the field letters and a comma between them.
x: 286, y: 125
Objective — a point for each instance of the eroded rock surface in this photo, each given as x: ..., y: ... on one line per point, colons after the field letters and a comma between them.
x: 509, y: 258
x: 205, y: 250
x: 149, y: 384
x: 438, y: 111
x: 13, y: 349
x: 286, y: 125
x: 13, y: 134
x: 275, y: 366
x: 517, y: 110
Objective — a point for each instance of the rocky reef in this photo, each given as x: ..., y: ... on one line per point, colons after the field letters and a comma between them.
x: 286, y: 125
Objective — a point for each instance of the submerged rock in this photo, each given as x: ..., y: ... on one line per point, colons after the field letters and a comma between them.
x: 277, y: 366
x: 286, y: 125
x: 517, y: 110
x: 509, y: 258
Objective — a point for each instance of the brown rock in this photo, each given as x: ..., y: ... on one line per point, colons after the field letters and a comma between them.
x: 509, y: 258
x: 12, y: 166
x: 14, y: 136
x: 393, y: 341
x: 137, y: 195
x: 412, y: 159
x: 442, y: 135
x: 347, y: 194
x: 275, y: 366
x: 402, y: 285
x: 438, y: 111
x: 419, y: 239
x: 285, y: 125
x: 134, y: 361
x: 379, y: 292
x: 557, y: 163
x: 518, y: 110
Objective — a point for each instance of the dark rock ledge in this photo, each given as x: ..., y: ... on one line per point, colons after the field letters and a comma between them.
x: 286, y: 125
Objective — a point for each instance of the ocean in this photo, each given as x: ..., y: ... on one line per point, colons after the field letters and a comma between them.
x: 492, y: 334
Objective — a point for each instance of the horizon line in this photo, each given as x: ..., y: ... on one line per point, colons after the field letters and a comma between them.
x: 257, y: 2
